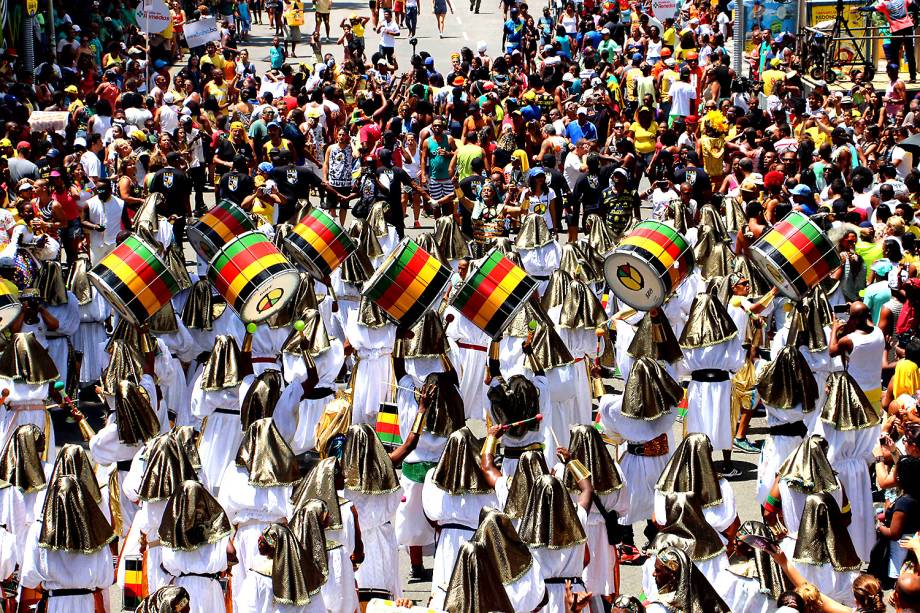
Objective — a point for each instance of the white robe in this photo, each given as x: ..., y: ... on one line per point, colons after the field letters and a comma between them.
x: 471, y: 364
x: 372, y: 377
x: 709, y: 403
x: 221, y: 433
x: 776, y: 448
x: 68, y: 316
x: 339, y: 592
x: 62, y: 570
x: 26, y: 405
x: 90, y: 335
x: 205, y: 595
x: 541, y: 262
x: 565, y: 562
x: 257, y: 596
x: 376, y: 512
x: 742, y: 594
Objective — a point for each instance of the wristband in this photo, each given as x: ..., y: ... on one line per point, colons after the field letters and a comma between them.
x: 769, y: 508
x: 490, y: 446
x: 579, y: 471
x: 776, y: 503
x: 419, y: 422
x: 846, y: 508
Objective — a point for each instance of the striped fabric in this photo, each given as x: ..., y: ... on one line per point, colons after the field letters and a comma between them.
x: 493, y: 293
x: 319, y: 243
x: 409, y: 282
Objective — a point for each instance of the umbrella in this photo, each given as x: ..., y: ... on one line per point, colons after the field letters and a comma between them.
x: 911, y: 144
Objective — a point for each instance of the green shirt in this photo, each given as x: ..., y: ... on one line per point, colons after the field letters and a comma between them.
x: 465, y: 155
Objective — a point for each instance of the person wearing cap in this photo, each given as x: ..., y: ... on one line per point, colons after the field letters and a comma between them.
x: 682, y: 96
x: 231, y: 146
x: 772, y: 76
x: 513, y: 30
x: 20, y: 166
x: 620, y: 203
x: 803, y: 199
x: 581, y: 128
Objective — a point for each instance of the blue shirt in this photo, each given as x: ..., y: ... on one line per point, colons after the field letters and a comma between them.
x: 575, y: 132
x: 514, y: 32
x: 531, y: 111
x: 593, y: 38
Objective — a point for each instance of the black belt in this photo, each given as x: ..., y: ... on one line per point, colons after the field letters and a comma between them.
x: 50, y: 337
x: 211, y: 576
x: 710, y: 375
x: 515, y: 453
x: 318, y: 393
x: 124, y: 465
x: 228, y: 411
x: 456, y: 527
x: 540, y: 277
x: 796, y: 428
x: 562, y: 580
x: 368, y: 594
x: 72, y: 592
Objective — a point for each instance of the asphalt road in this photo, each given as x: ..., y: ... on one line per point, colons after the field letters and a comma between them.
x: 463, y: 28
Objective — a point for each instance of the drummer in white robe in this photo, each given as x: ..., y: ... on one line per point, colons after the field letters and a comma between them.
x: 254, y: 491
x: 372, y: 337
x: 475, y: 582
x: 67, y: 551
x: 441, y: 410
x: 27, y: 371
x: 754, y: 582
x: 195, y: 537
x: 471, y: 350
x: 788, y: 391
x: 23, y: 477
x: 215, y: 400
x: 65, y: 308
x: 850, y: 425
x: 283, y: 578
x: 455, y: 491
x: 643, y: 415
x: 348, y: 279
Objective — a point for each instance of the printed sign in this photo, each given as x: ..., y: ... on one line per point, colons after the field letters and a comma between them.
x: 664, y: 9
x: 197, y: 33
x: 153, y: 16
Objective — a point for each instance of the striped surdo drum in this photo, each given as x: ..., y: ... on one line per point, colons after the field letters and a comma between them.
x: 319, y: 244
x: 220, y: 225
x: 409, y: 282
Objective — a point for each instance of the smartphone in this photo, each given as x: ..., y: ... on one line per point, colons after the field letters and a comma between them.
x: 759, y: 542
x: 842, y: 312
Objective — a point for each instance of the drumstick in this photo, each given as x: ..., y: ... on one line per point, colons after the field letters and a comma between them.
x: 538, y: 417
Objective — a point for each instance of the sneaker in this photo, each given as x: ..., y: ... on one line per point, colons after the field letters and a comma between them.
x: 731, y: 473
x: 745, y: 446
x: 420, y: 574
x: 629, y: 554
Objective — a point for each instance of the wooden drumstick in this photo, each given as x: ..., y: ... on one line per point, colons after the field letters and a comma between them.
x: 538, y: 417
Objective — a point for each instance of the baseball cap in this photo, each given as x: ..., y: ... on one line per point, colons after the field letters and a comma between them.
x: 665, y: 52
x: 693, y: 119
x: 429, y: 61
x: 582, y: 111
x: 76, y: 28
x: 71, y: 89
x: 26, y: 186
x: 5, y: 142
x: 23, y: 144
x: 637, y: 57
x: 622, y: 172
x: 529, y: 95
x: 693, y: 55
x: 314, y: 113
x: 238, y: 125
x: 159, y: 64
x: 266, y: 167
x: 274, y: 124
x: 801, y: 190
x: 568, y: 77
x: 169, y: 98
x: 459, y: 80
x: 139, y: 134
x: 79, y: 142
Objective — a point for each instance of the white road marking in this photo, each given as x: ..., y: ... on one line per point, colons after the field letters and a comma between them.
x: 459, y: 20
x: 465, y: 37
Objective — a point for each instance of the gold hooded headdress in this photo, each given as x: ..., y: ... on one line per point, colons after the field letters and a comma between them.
x: 787, y: 381
x: 655, y: 339
x: 712, y: 251
x: 534, y: 232
x: 847, y: 407
x: 71, y: 519
x: 650, y: 391
x: 578, y: 264
x: 135, y: 418
x: 295, y: 578
x: 266, y: 455
x: 531, y: 466
x: 587, y: 446
x: 425, y: 339
x: 581, y: 310
x: 261, y: 397
x: 319, y: 484
x: 520, y: 323
x: 807, y: 468
x: 690, y: 591
x: 164, y: 320
x: 761, y: 565
x: 515, y: 400
x: 124, y: 365
x: 600, y: 238
x: 198, y: 312
x: 167, y: 599
x: 428, y: 242
x: 50, y: 284
x: 690, y: 469
x: 358, y: 268
x: 166, y: 467
x: 458, y: 471
x: 188, y: 438
x: 377, y: 218
x: 78, y: 282
x: 547, y: 350
x: 367, y: 467
x: 823, y: 537
x: 139, y: 341
x: 708, y: 323
x: 222, y: 370
x: 445, y: 414
x: 810, y: 317
x: 193, y: 518
x: 21, y: 460
x: 474, y: 585
x: 556, y: 289
x: 450, y: 239
x: 25, y: 360
x: 503, y: 544
x: 307, y: 525
x: 370, y: 315
x: 73, y: 460
x: 550, y: 520
x: 304, y: 299
x: 686, y: 527
x: 310, y: 342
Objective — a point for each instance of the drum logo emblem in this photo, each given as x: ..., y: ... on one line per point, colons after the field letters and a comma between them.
x: 630, y: 277
x: 233, y: 182
x: 270, y: 299
x: 291, y: 175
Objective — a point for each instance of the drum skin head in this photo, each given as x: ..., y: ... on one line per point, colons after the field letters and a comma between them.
x: 773, y: 274
x: 634, y: 281
x: 113, y: 299
x: 271, y: 296
x: 9, y: 311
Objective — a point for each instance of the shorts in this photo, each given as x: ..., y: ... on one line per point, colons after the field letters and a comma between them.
x: 293, y: 34
x: 72, y: 231
x: 343, y: 189
x: 438, y: 188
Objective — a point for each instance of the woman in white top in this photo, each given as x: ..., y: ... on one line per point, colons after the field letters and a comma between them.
x: 413, y: 167
x: 539, y: 197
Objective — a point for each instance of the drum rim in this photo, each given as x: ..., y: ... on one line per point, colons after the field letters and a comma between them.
x: 475, y: 266
x: 787, y: 288
x: 4, y: 323
x: 659, y: 280
x: 296, y: 254
x: 236, y: 238
x: 390, y: 257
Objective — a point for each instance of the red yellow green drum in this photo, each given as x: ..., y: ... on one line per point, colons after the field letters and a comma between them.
x: 494, y: 291
x: 409, y: 282
x: 648, y: 264
x: 134, y: 280
x: 220, y: 225
x: 254, y: 277
x: 796, y: 255
x: 9, y: 305
x: 319, y: 243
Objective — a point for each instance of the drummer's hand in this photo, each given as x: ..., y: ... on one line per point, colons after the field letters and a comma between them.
x: 172, y: 218
x: 496, y: 430
x: 563, y: 454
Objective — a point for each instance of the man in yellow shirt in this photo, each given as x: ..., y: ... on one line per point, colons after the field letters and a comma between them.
x: 276, y: 141
x: 669, y: 36
x: 212, y: 57
x: 218, y: 89
x: 772, y: 76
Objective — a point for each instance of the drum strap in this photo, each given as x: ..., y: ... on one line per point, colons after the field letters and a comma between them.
x: 368, y: 594
x: 264, y: 360
x: 318, y: 393
x: 211, y: 576
x: 710, y: 375
x: 227, y: 411
x: 473, y: 347
x: 796, y: 428
x: 515, y: 453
